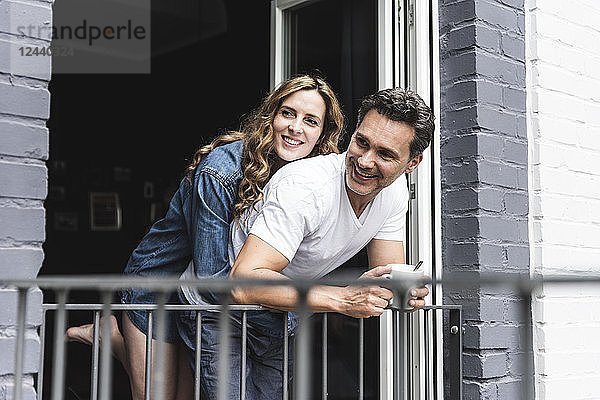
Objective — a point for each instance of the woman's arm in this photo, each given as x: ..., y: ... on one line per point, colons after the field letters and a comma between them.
x: 208, y: 225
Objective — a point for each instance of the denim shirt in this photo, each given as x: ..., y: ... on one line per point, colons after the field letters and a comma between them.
x: 196, y: 227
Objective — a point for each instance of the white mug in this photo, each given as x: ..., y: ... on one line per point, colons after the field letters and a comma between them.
x: 406, y: 278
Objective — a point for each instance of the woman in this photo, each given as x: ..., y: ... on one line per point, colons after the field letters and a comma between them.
x: 300, y: 118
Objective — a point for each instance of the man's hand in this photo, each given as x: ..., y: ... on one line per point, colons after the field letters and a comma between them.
x: 367, y: 301
x: 420, y: 294
x: 371, y: 301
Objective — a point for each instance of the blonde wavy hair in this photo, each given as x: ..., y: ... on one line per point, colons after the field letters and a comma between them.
x: 257, y: 130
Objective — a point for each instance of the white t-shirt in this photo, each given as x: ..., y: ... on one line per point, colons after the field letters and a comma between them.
x: 306, y: 215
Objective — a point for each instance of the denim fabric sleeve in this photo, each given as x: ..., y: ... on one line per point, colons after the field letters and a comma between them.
x: 212, y: 212
x: 165, y: 250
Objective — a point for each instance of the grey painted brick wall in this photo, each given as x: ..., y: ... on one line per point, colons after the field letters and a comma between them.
x: 24, y: 109
x: 484, y: 183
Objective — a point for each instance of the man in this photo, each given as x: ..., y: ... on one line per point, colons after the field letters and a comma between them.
x: 316, y: 214
x: 319, y: 212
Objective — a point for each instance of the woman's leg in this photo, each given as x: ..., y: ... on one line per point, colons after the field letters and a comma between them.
x: 135, y: 347
x: 85, y: 334
x: 265, y: 361
x: 185, y: 379
x: 209, y: 363
x: 134, y: 354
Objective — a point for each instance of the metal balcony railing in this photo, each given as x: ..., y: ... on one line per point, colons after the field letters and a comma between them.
x: 404, y: 359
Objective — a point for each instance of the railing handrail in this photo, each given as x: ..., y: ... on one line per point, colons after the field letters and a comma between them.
x: 454, y: 279
x: 108, y: 284
x: 186, y: 307
x: 152, y: 307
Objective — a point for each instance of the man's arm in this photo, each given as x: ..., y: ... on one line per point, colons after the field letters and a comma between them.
x: 259, y: 260
x: 384, y: 252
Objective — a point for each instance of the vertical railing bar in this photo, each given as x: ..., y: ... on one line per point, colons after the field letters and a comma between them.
x: 285, y: 355
x: 21, y: 313
x: 324, y: 358
x: 460, y: 346
x: 148, y: 372
x: 105, y: 351
x: 455, y: 347
x: 198, y: 355
x: 224, y: 350
x: 427, y: 354
x: 302, y: 359
x: 361, y: 359
x: 527, y: 341
x: 58, y: 370
x: 95, y: 356
x: 395, y: 356
x: 434, y: 367
x: 408, y: 354
x: 402, y: 354
x: 161, y: 322
x: 40, y: 380
x: 243, y: 355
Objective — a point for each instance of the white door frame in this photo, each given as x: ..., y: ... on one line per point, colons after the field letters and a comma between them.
x: 423, y: 229
x: 279, y: 37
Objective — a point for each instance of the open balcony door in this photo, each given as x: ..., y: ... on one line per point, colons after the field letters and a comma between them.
x: 408, y: 57
x: 410, y: 40
x: 405, y: 55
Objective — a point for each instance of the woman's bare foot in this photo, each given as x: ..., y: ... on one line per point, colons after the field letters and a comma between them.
x: 82, y: 334
x: 85, y: 334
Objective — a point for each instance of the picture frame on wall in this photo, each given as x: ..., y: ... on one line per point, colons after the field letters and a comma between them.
x: 105, y: 211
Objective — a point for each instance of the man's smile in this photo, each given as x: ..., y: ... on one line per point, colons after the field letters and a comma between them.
x: 363, y: 175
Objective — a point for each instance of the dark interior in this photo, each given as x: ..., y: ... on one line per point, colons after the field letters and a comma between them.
x: 114, y: 133
x: 134, y: 135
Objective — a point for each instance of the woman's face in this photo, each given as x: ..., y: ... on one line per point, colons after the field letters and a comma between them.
x: 298, y: 124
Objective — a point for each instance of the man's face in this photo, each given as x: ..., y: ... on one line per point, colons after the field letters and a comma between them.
x: 378, y: 154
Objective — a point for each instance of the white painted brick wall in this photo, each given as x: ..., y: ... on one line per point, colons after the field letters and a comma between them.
x: 24, y: 109
x: 563, y: 89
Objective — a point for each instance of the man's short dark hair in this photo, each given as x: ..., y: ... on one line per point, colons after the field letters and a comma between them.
x: 402, y: 105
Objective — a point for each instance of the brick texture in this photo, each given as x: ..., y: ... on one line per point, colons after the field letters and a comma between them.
x: 563, y: 84
x: 484, y: 156
x: 22, y: 140
x: 24, y: 109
